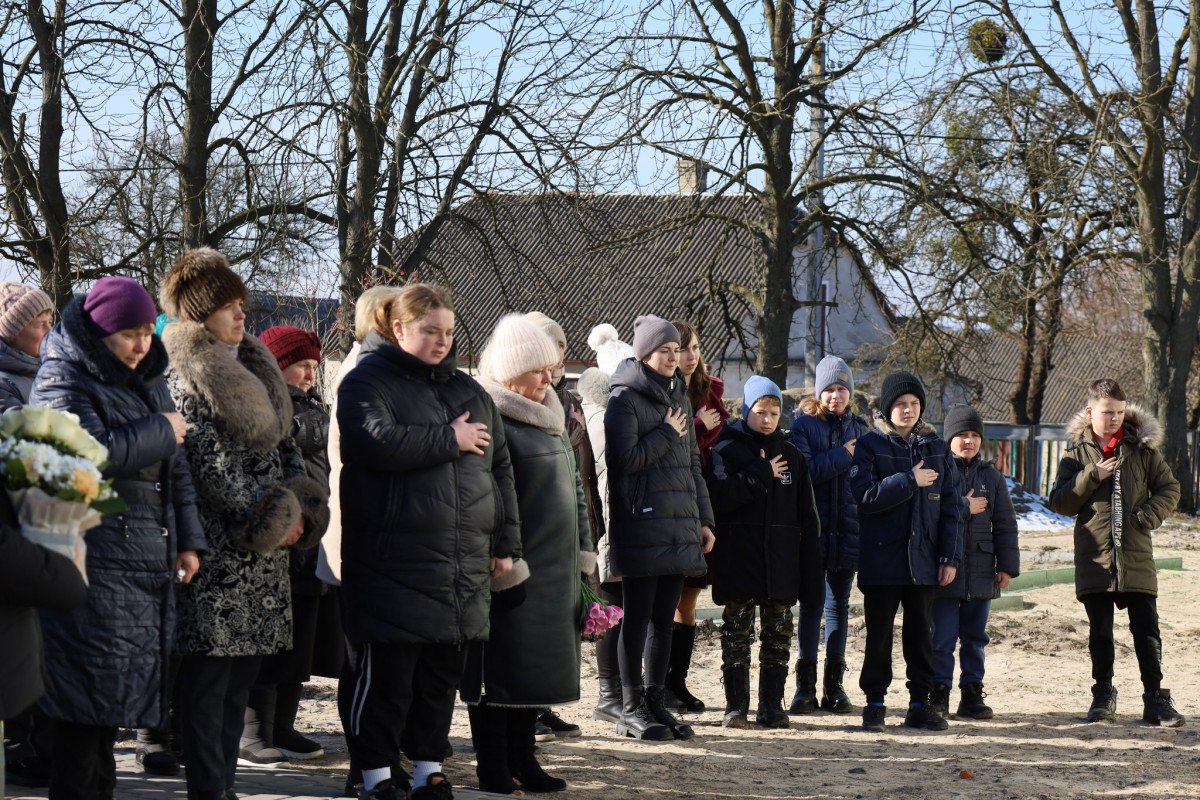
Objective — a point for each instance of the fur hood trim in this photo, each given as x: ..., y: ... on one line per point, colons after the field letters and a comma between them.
x: 268, y: 525
x: 1139, y: 423
x: 246, y: 399
x: 593, y: 386
x: 314, y: 507
x: 923, y: 428
x: 514, y: 577
x: 547, y: 415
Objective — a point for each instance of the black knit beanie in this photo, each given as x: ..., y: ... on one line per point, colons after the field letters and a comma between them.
x: 896, y: 384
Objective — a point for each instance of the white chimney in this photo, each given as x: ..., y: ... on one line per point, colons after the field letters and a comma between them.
x: 693, y: 176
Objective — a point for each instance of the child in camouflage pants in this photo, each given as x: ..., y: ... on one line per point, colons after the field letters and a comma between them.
x: 768, y: 550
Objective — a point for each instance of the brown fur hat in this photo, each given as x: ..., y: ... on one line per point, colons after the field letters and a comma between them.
x: 199, y: 284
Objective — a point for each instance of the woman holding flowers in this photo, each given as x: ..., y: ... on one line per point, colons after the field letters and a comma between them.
x: 254, y: 499
x: 531, y: 658
x: 107, y: 661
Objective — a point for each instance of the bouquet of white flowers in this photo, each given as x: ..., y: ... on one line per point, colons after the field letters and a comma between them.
x: 51, y: 469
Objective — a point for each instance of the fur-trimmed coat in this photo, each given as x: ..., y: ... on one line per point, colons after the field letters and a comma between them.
x: 252, y: 489
x: 1113, y: 551
x: 108, y: 659
x: 905, y: 531
x: 531, y: 658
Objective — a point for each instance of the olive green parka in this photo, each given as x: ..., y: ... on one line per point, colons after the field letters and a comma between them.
x: 1115, y: 517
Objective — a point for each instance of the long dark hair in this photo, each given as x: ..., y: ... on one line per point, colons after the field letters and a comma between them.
x: 699, y: 383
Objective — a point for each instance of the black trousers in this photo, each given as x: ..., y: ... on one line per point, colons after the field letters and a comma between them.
x: 608, y: 661
x: 213, y: 692
x: 1143, y: 625
x: 646, y: 627
x: 82, y: 766
x: 880, y: 604
x: 404, y: 701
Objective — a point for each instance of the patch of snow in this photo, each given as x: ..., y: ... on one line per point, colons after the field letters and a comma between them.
x: 1032, y: 512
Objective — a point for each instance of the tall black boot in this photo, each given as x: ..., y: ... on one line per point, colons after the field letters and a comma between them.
x: 286, y: 739
x: 608, y: 704
x: 257, y: 746
x: 833, y: 695
x: 771, y: 683
x: 805, y: 701
x: 654, y: 701
x: 683, y: 643
x: 737, y: 697
x: 154, y: 753
x: 522, y: 762
x: 636, y: 720
x: 489, y: 735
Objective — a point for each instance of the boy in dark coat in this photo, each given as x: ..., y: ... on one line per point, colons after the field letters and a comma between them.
x: 768, y: 554
x: 990, y: 560
x: 910, y: 540
x: 1117, y: 485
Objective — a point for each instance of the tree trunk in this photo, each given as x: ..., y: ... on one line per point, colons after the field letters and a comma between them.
x: 200, y: 30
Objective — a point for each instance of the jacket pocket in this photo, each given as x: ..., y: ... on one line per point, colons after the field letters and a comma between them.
x: 639, y: 495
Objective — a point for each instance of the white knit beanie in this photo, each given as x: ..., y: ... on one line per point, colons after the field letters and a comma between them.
x: 517, y: 346
x: 610, y: 350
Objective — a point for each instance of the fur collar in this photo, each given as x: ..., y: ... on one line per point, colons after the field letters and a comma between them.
x: 547, y: 415
x: 246, y: 399
x: 593, y: 386
x: 923, y: 428
x: 1139, y: 424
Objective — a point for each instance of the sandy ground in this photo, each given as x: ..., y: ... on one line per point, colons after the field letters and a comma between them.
x: 1038, y: 746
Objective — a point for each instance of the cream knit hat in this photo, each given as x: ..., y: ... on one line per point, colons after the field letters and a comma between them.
x: 518, y: 345
x: 610, y: 350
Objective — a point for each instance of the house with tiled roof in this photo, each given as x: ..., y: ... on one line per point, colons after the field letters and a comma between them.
x: 584, y: 260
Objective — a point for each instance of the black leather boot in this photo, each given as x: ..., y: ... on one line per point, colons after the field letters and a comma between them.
x: 683, y: 643
x: 805, y: 701
x: 256, y: 746
x: 737, y: 697
x: 636, y: 720
x: 285, y: 738
x: 833, y: 695
x: 972, y: 706
x: 658, y: 710
x: 771, y: 683
x: 489, y: 735
x: 608, y: 704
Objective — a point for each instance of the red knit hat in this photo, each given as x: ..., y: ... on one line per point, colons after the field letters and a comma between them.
x: 289, y: 344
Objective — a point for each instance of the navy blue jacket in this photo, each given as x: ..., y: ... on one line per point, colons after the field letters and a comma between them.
x: 905, y: 531
x: 421, y: 520
x: 822, y: 443
x: 657, y: 496
x: 989, y: 539
x: 107, y: 661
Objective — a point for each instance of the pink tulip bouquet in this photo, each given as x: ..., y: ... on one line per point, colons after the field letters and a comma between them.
x: 597, y: 616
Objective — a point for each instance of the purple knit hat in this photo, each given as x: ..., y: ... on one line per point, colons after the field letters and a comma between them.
x: 117, y: 303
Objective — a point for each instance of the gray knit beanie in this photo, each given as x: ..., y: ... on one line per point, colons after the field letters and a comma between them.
x: 960, y: 419
x: 833, y: 370
x: 650, y: 333
x: 19, y: 304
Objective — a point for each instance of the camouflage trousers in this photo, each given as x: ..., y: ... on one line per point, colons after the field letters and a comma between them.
x: 737, y: 633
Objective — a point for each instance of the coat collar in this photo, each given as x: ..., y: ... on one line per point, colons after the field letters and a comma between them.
x: 547, y: 415
x: 1141, y: 427
x: 245, y: 397
x: 377, y: 344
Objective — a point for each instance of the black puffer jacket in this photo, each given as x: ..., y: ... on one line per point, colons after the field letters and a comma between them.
x: 768, y: 533
x: 31, y: 577
x: 17, y: 369
x: 906, y: 531
x: 310, y: 432
x: 657, y: 496
x: 420, y: 519
x: 989, y: 539
x: 822, y: 440
x: 532, y: 657
x: 108, y: 660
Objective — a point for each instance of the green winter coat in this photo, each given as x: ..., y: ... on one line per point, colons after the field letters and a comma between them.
x: 1113, y: 552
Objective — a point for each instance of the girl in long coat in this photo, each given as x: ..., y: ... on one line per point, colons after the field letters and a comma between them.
x: 531, y: 658
x: 255, y: 501
x: 108, y: 661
